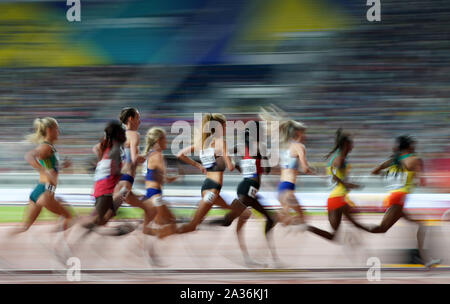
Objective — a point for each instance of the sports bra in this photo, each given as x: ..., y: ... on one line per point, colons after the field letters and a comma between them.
x: 211, y: 162
x: 51, y: 162
x: 152, y: 175
x: 287, y: 161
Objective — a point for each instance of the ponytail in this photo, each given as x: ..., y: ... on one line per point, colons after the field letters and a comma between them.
x: 340, y: 139
x: 152, y: 136
x: 287, y: 128
x: 208, y: 117
x: 113, y: 132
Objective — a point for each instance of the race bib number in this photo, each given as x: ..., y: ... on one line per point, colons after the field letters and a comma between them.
x: 395, y: 181
x: 50, y: 188
x: 248, y: 167
x: 207, y: 158
x: 103, y: 169
x: 252, y: 192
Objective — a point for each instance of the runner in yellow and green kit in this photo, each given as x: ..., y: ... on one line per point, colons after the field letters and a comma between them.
x: 338, y: 202
x: 402, y: 169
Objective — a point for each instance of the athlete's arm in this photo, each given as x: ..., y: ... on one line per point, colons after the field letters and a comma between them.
x: 236, y: 158
x: 66, y: 163
x: 338, y: 162
x: 419, y: 169
x: 228, y: 163
x: 32, y: 158
x: 97, y: 152
x: 182, y: 156
x: 134, y: 149
x: 41, y: 152
x: 381, y: 166
x: 345, y: 184
x: 301, y: 152
x: 159, y: 158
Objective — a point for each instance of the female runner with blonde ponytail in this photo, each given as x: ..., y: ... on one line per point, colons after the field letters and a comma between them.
x: 214, y: 160
x: 155, y: 177
x: 292, y: 157
x: 44, y: 158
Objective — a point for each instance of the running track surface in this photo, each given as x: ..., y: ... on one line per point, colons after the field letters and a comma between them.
x: 211, y: 255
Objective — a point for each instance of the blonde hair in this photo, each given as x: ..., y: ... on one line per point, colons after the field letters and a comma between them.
x: 152, y: 136
x: 220, y: 118
x: 40, y: 129
x: 287, y: 128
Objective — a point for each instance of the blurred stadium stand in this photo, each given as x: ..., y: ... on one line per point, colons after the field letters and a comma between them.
x: 322, y: 63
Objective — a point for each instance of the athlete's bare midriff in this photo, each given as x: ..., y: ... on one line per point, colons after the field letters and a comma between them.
x: 215, y: 176
x: 288, y: 175
x: 43, y: 179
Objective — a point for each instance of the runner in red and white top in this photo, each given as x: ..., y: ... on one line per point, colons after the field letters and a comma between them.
x: 107, y: 175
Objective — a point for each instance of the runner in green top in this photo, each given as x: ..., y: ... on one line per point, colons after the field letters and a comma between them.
x: 44, y: 159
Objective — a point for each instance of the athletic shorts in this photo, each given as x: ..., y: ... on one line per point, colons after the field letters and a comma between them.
x: 152, y: 191
x: 248, y: 187
x: 39, y: 190
x: 210, y: 184
x: 285, y: 186
x: 338, y: 201
x: 128, y: 178
x: 394, y: 198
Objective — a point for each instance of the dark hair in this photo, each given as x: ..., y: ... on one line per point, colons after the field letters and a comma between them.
x: 247, y: 138
x: 113, y: 131
x: 127, y: 113
x: 340, y: 140
x: 402, y: 143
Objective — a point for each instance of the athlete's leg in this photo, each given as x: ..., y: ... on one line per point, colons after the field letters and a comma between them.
x: 255, y: 204
x: 288, y: 201
x: 104, y: 204
x: 421, y: 232
x: 237, y: 207
x: 348, y: 212
x: 30, y: 216
x: 270, y: 223
x: 209, y: 197
x: 121, y: 191
x: 164, y: 217
x: 237, y: 210
x: 283, y: 215
x: 334, y: 217
x: 391, y: 216
x: 149, y: 210
x: 50, y: 203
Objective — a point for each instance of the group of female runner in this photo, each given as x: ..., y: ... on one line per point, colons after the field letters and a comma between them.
x: 118, y: 157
